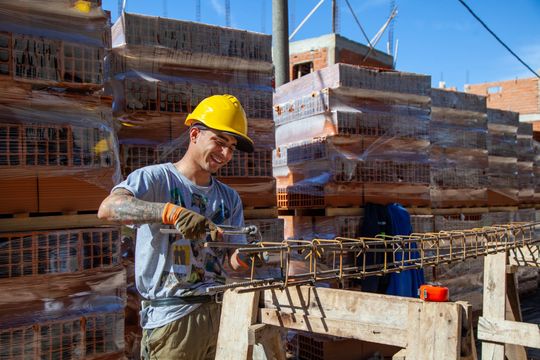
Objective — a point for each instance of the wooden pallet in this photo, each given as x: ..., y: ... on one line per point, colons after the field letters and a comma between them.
x: 48, y: 221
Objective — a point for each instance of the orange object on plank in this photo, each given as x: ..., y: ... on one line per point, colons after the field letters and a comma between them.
x: 433, y: 293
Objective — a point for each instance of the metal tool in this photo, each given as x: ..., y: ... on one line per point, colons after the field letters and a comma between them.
x: 251, y: 231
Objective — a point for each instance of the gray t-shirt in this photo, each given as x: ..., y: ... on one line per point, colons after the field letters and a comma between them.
x: 167, y: 265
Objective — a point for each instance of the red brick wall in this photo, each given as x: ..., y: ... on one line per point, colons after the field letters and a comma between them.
x: 521, y: 95
x: 349, y: 57
x: 319, y: 58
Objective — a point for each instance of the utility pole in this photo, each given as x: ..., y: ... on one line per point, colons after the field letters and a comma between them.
x: 280, y: 48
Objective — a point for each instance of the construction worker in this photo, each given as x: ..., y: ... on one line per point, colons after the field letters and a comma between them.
x: 179, y: 319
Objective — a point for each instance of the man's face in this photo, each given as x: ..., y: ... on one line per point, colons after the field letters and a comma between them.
x: 215, y: 148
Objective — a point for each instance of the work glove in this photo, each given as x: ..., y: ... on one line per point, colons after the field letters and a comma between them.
x: 242, y: 261
x: 191, y: 225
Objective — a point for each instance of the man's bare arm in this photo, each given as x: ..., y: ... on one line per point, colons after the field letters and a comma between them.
x: 122, y: 207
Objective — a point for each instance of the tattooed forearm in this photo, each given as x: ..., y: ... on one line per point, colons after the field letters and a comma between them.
x: 121, y: 206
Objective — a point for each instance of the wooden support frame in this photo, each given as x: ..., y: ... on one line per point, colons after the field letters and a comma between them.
x: 425, y: 330
x: 500, y: 328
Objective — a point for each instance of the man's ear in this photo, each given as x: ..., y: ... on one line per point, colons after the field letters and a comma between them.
x: 194, y: 133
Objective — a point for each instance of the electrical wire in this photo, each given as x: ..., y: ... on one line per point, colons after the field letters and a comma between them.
x: 498, y: 39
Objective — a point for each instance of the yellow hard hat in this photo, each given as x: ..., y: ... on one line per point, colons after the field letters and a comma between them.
x: 223, y: 113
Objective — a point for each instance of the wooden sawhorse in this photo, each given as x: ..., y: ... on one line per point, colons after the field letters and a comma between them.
x: 500, y: 327
x: 251, y: 322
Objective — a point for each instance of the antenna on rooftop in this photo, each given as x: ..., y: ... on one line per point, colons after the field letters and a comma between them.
x: 335, y: 16
x: 228, y: 13
x: 263, y: 16
x: 198, y: 10
x: 292, y: 20
x: 390, y: 47
x: 164, y: 8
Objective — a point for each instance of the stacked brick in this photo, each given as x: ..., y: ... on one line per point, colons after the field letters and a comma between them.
x: 66, y: 294
x: 536, y: 171
x: 57, y: 140
x: 64, y: 287
x: 525, y: 164
x: 348, y: 135
x: 458, y: 152
x: 163, y: 68
x: 503, y: 187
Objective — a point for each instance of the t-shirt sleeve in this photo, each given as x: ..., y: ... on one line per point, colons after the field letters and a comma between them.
x: 141, y: 183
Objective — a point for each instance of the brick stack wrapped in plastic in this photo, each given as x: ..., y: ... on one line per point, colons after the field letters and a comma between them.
x: 525, y: 157
x: 503, y: 187
x: 458, y: 152
x: 347, y: 136
x: 61, y: 276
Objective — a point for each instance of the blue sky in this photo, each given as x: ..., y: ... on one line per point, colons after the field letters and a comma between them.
x: 436, y: 37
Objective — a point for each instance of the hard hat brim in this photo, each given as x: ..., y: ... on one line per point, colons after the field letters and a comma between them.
x: 242, y: 144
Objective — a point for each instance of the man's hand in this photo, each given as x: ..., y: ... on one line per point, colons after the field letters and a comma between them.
x: 191, y: 225
x: 241, y: 262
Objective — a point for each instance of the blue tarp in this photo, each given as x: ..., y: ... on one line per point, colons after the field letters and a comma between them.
x: 405, y: 283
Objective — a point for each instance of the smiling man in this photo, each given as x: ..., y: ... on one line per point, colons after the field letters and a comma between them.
x: 179, y: 319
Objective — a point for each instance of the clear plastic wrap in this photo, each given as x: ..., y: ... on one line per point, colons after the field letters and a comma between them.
x: 525, y: 215
x: 66, y: 294
x: 526, y: 157
x: 53, y: 43
x: 187, y: 44
x: 460, y: 221
x: 503, y: 188
x: 422, y: 223
x: 349, y: 135
x: 58, y: 152
x: 458, y: 153
x: 502, y: 133
x: 322, y: 227
x: 536, y: 171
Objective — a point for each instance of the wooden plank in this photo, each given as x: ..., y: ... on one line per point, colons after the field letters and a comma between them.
x: 455, y: 211
x: 503, y: 208
x: 420, y: 211
x: 264, y: 213
x: 51, y: 222
x: 468, y: 344
x: 513, y: 313
x: 371, y: 332
x: 494, y: 299
x: 338, y: 304
x: 528, y: 255
x: 238, y: 313
x: 511, y: 332
x: 269, y: 337
x: 400, y: 355
x: 344, y: 211
x: 440, y: 334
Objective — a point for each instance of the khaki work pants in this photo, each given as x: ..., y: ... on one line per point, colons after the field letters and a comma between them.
x: 193, y: 337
